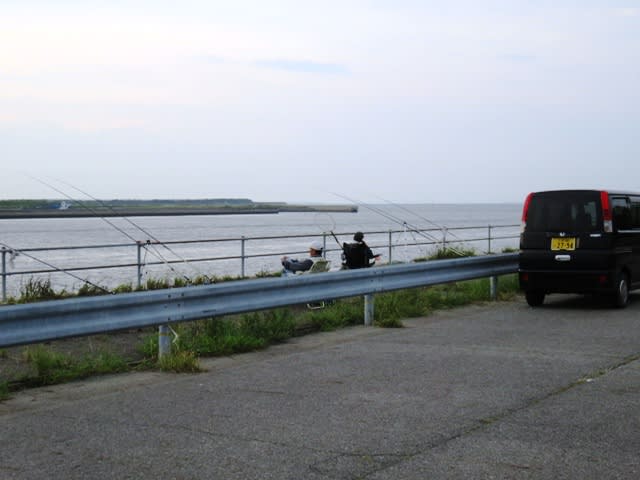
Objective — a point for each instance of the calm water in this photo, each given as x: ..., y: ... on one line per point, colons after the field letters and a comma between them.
x: 376, y: 221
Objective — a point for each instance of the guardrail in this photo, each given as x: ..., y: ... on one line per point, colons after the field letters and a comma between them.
x: 53, y: 320
x: 387, y: 242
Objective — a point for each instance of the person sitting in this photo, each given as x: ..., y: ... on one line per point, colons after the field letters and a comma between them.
x: 358, y: 254
x: 315, y: 263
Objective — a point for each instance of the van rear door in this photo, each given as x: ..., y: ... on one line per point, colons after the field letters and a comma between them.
x: 564, y: 231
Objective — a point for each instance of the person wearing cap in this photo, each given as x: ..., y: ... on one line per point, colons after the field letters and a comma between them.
x: 294, y: 265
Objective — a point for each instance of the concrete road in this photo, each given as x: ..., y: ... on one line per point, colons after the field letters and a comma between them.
x: 493, y: 391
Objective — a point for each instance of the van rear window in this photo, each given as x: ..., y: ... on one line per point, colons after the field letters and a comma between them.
x: 567, y: 211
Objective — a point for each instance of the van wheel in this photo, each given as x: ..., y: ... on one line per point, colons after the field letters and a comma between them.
x: 621, y: 297
x: 534, y: 299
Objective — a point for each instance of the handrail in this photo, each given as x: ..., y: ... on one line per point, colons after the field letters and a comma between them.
x: 80, y: 316
x: 427, y: 240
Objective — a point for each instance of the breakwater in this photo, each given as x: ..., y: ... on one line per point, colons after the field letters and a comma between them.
x: 160, y: 211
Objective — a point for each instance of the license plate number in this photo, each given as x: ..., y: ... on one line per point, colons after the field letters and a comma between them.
x: 568, y: 243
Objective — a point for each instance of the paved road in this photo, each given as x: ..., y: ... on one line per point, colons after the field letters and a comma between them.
x: 496, y: 391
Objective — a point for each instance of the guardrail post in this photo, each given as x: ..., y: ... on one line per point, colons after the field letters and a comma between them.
x: 390, y: 247
x: 243, y: 240
x: 489, y: 239
x: 139, y: 264
x: 4, y: 274
x: 164, y: 341
x: 493, y: 287
x: 368, y: 310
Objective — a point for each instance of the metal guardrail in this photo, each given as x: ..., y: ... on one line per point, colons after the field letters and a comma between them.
x: 53, y: 320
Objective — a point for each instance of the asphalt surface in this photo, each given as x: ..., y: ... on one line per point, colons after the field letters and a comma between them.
x: 493, y: 391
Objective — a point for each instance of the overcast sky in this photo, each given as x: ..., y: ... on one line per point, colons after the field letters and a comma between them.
x: 402, y: 100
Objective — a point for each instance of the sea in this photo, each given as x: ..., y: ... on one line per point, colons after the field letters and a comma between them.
x: 65, y: 251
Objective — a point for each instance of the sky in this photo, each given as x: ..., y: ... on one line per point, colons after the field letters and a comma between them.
x: 407, y: 101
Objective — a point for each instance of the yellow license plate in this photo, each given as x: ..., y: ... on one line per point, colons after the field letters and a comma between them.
x: 568, y: 243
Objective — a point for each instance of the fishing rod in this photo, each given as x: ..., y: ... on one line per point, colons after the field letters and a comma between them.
x: 390, y: 217
x: 146, y: 232
x: 96, y: 214
x: 402, y: 207
x: 404, y: 223
x: 330, y: 228
x: 444, y: 228
x: 15, y: 251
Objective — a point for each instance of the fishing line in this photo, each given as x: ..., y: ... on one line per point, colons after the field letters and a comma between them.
x: 131, y: 222
x: 443, y: 228
x: 390, y: 217
x: 96, y: 214
x: 331, y: 228
x: 402, y: 207
x: 400, y: 221
x: 57, y: 269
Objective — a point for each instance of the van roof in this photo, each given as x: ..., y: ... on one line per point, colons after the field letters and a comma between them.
x: 611, y: 192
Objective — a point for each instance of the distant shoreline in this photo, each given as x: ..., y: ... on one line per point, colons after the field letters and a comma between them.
x: 164, y: 211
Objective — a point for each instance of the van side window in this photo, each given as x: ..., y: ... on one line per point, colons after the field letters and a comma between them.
x: 635, y: 213
x: 621, y: 213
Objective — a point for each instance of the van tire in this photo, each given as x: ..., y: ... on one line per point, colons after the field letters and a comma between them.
x: 621, y: 297
x: 534, y: 299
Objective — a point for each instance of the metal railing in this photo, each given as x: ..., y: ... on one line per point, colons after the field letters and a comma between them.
x: 390, y: 241
x: 79, y: 316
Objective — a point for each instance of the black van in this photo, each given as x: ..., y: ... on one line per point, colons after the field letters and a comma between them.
x: 580, y: 241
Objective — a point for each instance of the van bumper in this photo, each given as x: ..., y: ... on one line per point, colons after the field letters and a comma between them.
x: 567, y: 281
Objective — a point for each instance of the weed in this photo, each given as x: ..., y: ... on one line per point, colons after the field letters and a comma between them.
x: 179, y: 362
x: 156, y: 284
x: 272, y: 326
x: 179, y: 282
x: 48, y: 364
x: 90, y: 290
x: 38, y: 289
x: 4, y: 390
x: 266, y: 274
x: 452, y: 252
x: 337, y: 315
x: 202, y: 280
x: 123, y: 288
x: 55, y: 367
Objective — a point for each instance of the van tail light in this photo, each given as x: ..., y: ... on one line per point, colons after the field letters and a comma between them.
x: 607, y: 215
x: 525, y: 212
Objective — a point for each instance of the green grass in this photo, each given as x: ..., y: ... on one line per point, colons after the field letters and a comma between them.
x: 226, y: 336
x: 54, y: 367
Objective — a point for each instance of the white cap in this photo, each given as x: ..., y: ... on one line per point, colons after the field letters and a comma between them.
x: 316, y: 245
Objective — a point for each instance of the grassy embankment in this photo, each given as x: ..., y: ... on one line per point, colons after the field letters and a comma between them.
x: 239, y: 333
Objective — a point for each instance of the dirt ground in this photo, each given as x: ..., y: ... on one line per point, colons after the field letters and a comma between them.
x: 14, y: 365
